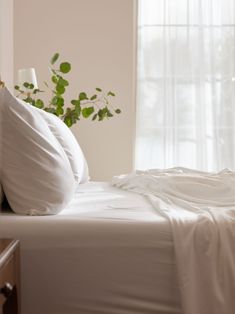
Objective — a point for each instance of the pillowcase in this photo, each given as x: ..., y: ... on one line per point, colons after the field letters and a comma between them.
x: 70, y: 145
x: 36, y: 174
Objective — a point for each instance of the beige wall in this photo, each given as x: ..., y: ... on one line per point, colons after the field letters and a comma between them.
x: 98, y: 38
x: 6, y: 41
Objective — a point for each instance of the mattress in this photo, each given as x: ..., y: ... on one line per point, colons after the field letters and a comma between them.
x: 108, y: 252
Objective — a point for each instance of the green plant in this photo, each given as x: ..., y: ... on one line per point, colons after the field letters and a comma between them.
x: 97, y: 107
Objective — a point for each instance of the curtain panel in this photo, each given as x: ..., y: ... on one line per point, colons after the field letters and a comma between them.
x: 186, y: 84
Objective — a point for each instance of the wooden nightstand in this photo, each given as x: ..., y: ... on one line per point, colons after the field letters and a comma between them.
x: 9, y: 277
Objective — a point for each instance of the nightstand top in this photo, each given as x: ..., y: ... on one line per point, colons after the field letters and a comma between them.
x: 7, y: 247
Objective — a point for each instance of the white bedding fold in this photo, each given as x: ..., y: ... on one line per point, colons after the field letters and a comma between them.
x: 201, y: 209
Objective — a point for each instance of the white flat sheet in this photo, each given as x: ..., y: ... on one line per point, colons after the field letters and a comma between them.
x: 201, y: 209
x: 109, y: 252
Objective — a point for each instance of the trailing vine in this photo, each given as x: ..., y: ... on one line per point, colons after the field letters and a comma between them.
x: 96, y: 107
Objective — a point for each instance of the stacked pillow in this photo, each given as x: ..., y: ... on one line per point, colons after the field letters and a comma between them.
x: 42, y: 163
x: 69, y: 144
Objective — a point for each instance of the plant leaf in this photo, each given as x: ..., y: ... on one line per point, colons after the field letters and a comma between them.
x: 82, y: 96
x: 60, y: 89
x: 74, y: 116
x: 75, y: 102
x: 26, y: 84
x: 62, y: 82
x: 65, y: 67
x: 59, y: 111
x: 54, y: 79
x: 55, y: 58
x: 68, y: 121
x: 101, y: 114
x: 36, y: 90
x: 111, y: 94
x: 51, y: 110
x: 57, y: 101
x: 93, y: 97
x: 28, y: 100
x: 86, y: 112
x: 39, y: 103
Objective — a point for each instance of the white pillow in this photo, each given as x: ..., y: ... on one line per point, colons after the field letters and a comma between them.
x: 36, y: 174
x: 70, y: 145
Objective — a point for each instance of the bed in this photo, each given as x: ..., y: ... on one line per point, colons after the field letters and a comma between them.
x: 160, y: 241
x: 108, y: 252
x: 85, y: 248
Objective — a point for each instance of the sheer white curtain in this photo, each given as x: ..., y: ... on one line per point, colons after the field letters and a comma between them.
x: 186, y: 84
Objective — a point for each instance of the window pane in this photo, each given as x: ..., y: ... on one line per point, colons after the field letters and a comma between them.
x: 186, y: 84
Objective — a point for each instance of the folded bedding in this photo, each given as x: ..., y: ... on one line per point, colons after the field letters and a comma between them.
x: 201, y: 209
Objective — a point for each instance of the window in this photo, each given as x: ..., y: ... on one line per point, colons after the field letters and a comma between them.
x: 186, y: 84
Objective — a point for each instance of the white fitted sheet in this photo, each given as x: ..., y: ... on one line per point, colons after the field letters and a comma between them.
x: 108, y: 252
